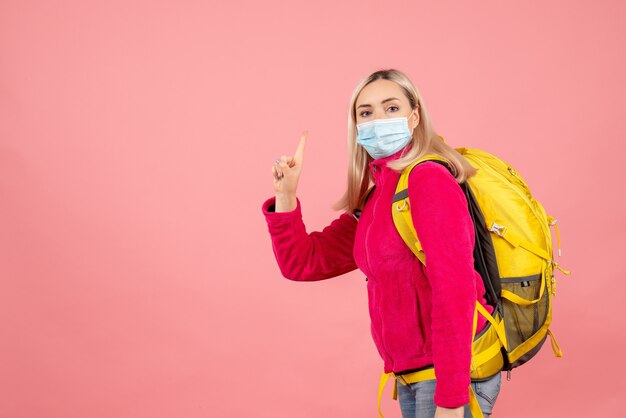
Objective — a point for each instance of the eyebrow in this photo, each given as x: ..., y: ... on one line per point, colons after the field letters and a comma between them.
x: 384, y: 101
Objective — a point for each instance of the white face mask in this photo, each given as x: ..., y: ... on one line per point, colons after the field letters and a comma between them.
x: 384, y: 137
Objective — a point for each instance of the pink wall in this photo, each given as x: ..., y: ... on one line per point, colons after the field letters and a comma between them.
x: 136, y: 140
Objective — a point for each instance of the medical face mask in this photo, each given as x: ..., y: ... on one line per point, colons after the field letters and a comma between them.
x: 384, y: 137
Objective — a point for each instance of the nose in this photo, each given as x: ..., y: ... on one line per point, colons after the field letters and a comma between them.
x: 379, y: 114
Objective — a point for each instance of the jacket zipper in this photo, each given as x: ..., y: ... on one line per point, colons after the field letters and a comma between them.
x: 380, y: 318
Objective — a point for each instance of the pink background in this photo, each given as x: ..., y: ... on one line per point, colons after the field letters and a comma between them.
x: 136, y: 141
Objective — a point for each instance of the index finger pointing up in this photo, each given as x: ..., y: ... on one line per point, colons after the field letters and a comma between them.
x: 299, y: 155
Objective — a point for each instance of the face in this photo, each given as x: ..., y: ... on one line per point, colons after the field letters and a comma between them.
x: 383, y: 99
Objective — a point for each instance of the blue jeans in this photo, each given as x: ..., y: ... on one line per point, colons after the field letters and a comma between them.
x: 416, y: 399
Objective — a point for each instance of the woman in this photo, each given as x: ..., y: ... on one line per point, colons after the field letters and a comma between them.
x: 421, y: 316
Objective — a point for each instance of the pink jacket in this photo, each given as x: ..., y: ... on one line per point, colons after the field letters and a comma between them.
x: 420, y: 316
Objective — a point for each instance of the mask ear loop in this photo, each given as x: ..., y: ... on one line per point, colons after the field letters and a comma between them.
x: 407, y: 120
x: 417, y: 109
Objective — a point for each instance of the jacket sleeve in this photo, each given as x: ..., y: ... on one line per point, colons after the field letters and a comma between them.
x: 446, y: 232
x: 318, y: 255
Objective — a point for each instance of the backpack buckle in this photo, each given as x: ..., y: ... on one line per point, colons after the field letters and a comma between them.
x: 498, y: 229
x: 404, y: 206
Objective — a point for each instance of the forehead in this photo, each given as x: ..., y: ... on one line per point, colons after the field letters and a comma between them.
x: 379, y: 90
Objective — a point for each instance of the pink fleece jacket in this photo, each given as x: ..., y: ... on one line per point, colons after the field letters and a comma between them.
x: 420, y: 316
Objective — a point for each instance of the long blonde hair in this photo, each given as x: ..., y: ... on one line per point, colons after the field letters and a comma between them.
x: 424, y: 141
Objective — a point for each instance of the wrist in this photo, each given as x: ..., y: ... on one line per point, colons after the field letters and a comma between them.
x: 285, y: 202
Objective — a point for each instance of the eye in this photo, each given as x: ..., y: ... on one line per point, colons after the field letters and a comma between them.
x: 393, y: 107
x: 362, y: 113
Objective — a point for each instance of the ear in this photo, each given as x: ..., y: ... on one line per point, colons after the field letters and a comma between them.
x: 416, y: 117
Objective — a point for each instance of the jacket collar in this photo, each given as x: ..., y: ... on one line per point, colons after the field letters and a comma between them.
x: 381, y: 162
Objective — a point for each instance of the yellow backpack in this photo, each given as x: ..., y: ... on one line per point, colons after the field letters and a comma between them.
x: 513, y: 254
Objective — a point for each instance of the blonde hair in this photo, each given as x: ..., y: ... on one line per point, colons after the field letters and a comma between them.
x: 424, y: 141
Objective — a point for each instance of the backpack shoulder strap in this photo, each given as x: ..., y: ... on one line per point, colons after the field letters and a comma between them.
x: 400, y: 207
